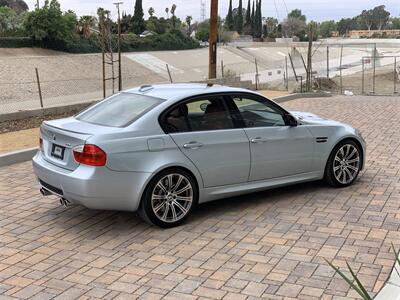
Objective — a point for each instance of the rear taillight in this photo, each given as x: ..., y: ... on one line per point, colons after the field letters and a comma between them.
x: 41, y: 144
x: 90, y: 155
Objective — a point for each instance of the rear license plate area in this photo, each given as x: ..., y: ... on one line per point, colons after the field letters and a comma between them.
x: 57, y: 151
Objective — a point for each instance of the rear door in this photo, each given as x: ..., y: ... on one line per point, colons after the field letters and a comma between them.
x: 204, y: 131
x: 277, y: 150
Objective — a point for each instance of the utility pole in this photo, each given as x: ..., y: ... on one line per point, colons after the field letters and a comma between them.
x: 117, y: 4
x: 37, y: 4
x: 309, y: 56
x: 212, y: 66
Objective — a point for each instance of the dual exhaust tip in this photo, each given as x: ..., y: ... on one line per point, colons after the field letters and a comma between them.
x: 64, y: 202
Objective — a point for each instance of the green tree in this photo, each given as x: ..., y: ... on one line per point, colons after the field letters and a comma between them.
x: 126, y: 21
x: 345, y: 25
x: 138, y: 24
x: 253, y: 19
x: 395, y: 23
x: 258, y: 20
x: 8, y: 20
x: 239, y: 18
x: 19, y: 6
x: 380, y: 16
x: 229, y: 18
x: 366, y: 18
x: 203, y: 31
x: 271, y: 26
x: 326, y: 28
x: 248, y: 14
x: 49, y: 23
x: 294, y: 24
x: 189, y: 22
x: 296, y: 13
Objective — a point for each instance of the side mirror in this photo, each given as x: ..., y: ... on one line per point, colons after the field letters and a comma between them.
x: 290, y: 120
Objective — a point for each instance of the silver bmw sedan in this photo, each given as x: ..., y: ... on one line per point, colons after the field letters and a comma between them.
x: 162, y: 149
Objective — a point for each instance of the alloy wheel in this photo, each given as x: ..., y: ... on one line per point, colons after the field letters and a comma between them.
x: 346, y: 163
x: 172, y: 198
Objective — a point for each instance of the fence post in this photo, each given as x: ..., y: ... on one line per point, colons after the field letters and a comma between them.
x: 301, y: 84
x: 294, y: 70
x: 340, y: 70
x: 395, y: 76
x: 39, y: 88
x: 374, y: 72
x: 362, y: 76
x: 327, y: 61
x: 169, y: 73
x: 287, y: 74
x: 255, y: 62
x: 222, y: 68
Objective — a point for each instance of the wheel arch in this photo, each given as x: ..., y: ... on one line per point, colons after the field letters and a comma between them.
x: 195, y: 178
x: 347, y: 138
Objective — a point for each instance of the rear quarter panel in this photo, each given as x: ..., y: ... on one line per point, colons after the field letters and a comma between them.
x: 149, y: 154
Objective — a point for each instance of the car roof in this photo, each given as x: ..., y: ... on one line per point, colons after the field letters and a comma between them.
x: 178, y: 91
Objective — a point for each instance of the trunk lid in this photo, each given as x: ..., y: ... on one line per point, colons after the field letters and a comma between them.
x: 61, y: 136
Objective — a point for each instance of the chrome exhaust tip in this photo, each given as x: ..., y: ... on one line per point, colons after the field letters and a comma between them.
x: 44, y: 192
x: 64, y: 202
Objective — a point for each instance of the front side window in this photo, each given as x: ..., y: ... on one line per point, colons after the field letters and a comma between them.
x: 118, y: 110
x: 258, y: 114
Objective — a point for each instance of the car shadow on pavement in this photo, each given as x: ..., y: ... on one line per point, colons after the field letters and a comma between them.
x: 78, y: 218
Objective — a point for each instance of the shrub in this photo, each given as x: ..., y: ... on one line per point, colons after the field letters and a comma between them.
x: 16, y: 42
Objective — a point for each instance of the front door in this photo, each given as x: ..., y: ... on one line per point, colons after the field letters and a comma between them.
x: 205, y: 133
x: 277, y: 150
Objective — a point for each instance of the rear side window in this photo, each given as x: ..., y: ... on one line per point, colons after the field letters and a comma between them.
x: 198, y: 115
x: 119, y: 110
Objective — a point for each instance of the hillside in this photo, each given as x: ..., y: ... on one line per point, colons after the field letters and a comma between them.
x: 17, y: 5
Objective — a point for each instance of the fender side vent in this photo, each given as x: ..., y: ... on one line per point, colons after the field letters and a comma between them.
x: 322, y: 139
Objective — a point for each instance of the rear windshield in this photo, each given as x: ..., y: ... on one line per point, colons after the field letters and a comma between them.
x: 119, y: 110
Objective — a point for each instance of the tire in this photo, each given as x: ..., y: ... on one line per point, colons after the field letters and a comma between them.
x: 169, y: 198
x: 344, y: 164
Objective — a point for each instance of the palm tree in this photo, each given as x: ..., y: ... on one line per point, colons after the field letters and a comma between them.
x: 173, y: 8
x: 151, y: 11
x: 188, y: 22
x: 85, y: 22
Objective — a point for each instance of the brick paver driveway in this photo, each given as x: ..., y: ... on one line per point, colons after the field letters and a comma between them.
x: 269, y: 244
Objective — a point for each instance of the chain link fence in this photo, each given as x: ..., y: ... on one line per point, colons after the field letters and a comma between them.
x: 358, y: 68
x: 342, y: 68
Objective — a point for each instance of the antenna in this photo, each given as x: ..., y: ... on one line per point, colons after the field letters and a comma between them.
x: 203, y: 10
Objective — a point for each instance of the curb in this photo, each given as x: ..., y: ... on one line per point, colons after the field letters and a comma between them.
x: 27, y: 154
x: 17, y: 156
x: 44, y: 111
x: 301, y: 95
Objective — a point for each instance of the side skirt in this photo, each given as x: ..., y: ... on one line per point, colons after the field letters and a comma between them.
x: 214, y: 193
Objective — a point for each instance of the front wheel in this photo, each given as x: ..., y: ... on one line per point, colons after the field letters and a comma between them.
x: 344, y: 164
x: 169, y: 198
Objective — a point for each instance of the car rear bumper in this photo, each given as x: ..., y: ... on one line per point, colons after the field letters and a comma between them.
x: 93, y: 187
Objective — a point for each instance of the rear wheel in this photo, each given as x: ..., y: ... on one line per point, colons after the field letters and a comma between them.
x: 344, y: 164
x: 169, y: 198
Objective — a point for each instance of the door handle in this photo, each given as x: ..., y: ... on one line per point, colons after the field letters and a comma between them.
x: 192, y: 145
x: 258, y: 140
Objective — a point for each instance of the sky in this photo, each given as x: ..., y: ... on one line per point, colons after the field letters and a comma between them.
x: 317, y: 10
